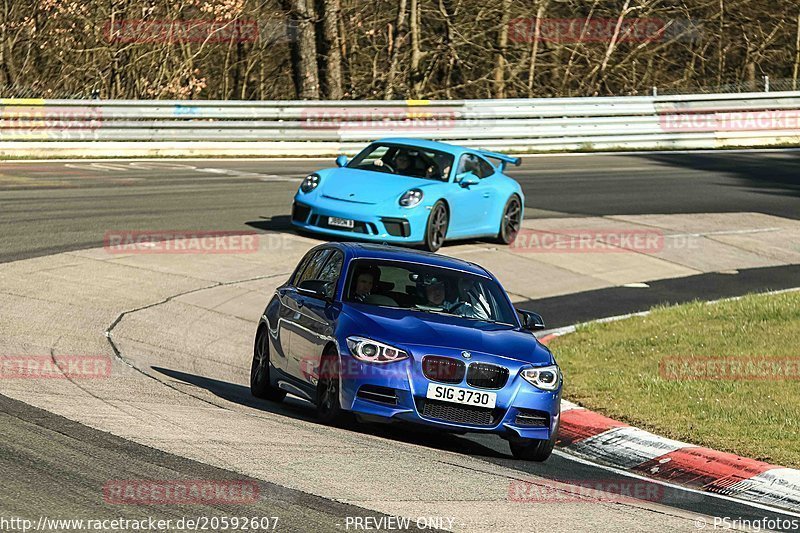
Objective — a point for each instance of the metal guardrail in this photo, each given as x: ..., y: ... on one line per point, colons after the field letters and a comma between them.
x: 33, y: 127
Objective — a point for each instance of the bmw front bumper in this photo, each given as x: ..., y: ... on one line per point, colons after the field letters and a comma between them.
x: 397, y: 391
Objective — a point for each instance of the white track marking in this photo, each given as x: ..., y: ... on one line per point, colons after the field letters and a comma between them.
x: 627, y: 446
x: 778, y: 485
x: 625, y: 473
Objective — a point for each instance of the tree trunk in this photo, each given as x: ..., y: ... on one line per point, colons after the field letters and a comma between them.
x: 416, y: 51
x: 796, y: 55
x: 502, y: 45
x: 398, y: 36
x: 303, y: 49
x: 331, y: 51
x: 535, y: 45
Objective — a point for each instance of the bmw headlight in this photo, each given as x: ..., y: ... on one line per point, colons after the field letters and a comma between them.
x: 371, y: 351
x: 544, y: 377
x: 310, y: 183
x: 411, y: 198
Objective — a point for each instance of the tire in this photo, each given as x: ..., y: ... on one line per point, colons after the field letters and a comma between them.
x: 510, y: 221
x: 260, y: 386
x: 436, y: 229
x: 533, y: 449
x: 329, y: 410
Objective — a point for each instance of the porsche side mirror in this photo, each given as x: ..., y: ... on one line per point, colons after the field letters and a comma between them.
x: 467, y: 179
x: 341, y: 161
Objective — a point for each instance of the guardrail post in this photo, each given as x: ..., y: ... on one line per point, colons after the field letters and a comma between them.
x: 766, y: 84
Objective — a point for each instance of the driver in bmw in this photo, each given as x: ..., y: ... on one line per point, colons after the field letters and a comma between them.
x: 468, y: 305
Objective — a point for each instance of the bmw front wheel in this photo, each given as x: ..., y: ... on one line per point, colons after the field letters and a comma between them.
x: 329, y: 409
x: 533, y: 449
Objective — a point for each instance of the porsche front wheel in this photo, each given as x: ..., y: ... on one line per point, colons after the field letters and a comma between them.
x: 436, y: 230
x: 511, y: 221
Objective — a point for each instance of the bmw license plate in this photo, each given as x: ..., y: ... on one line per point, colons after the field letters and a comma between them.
x: 458, y: 395
x: 341, y: 222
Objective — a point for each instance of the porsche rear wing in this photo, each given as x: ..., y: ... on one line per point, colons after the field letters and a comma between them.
x: 503, y: 158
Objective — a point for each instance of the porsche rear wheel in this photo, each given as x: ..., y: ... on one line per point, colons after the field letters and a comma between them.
x: 511, y: 221
x: 436, y: 231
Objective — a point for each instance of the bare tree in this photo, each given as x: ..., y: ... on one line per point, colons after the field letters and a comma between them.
x: 303, y: 46
x: 500, y: 58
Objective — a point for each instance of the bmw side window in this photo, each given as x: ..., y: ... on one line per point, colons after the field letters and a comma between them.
x: 331, y: 272
x: 294, y: 280
x: 313, y: 266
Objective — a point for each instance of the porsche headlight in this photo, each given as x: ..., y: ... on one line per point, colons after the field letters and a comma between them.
x: 411, y: 198
x: 544, y: 377
x: 310, y: 183
x: 371, y: 351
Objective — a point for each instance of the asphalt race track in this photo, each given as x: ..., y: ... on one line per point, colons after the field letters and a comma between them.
x: 49, y: 207
x: 52, y: 466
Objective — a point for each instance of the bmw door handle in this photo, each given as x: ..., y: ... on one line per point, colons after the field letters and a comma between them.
x: 486, y: 195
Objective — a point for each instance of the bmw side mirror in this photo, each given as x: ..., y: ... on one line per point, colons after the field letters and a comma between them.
x: 467, y: 179
x: 316, y: 288
x: 531, y: 321
x: 341, y: 161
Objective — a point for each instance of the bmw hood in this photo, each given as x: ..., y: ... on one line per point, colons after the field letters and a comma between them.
x: 412, y: 329
x: 366, y: 187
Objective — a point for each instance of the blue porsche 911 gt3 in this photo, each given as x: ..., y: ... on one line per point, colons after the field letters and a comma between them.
x: 410, y: 191
x: 394, y: 334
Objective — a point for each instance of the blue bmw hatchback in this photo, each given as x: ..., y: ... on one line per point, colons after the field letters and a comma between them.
x: 405, y: 335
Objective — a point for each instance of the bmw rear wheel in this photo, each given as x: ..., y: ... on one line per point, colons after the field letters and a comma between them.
x: 260, y: 386
x: 436, y: 231
x: 329, y: 410
x: 511, y: 221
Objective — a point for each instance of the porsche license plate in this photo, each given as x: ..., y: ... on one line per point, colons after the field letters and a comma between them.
x: 341, y: 222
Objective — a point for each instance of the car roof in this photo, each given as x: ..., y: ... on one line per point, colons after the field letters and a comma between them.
x: 396, y: 253
x: 422, y: 143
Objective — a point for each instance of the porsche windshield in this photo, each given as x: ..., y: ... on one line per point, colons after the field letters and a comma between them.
x: 429, y: 289
x: 404, y: 160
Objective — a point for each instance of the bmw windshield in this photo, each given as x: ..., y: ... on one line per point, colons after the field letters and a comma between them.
x: 429, y: 289
x: 404, y: 160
